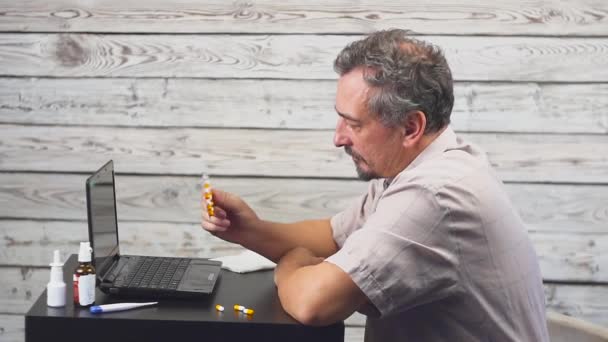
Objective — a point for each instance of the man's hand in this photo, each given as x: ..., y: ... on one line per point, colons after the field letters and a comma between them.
x: 236, y: 222
x: 233, y: 218
x: 315, y: 292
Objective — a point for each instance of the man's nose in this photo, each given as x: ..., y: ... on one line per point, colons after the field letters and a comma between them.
x: 340, y: 136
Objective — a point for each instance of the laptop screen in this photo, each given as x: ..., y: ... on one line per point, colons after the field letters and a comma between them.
x: 101, y: 208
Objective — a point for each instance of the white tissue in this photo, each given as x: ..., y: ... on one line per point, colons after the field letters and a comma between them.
x: 247, y: 261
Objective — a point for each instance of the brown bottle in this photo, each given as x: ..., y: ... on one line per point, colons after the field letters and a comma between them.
x: 84, y: 277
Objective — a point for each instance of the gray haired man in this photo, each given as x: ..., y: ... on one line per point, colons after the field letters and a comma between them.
x: 434, y: 250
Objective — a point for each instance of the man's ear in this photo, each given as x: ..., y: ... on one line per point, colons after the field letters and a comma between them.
x: 415, y: 124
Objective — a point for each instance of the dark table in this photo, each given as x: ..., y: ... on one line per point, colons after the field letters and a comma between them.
x: 180, y: 319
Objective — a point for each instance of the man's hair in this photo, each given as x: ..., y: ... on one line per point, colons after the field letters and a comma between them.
x: 405, y: 74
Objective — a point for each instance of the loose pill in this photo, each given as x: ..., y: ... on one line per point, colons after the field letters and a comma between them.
x: 238, y: 307
x: 248, y: 311
x: 219, y: 308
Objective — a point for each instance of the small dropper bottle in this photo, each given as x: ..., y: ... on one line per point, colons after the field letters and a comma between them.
x: 55, y: 289
x: 84, y: 277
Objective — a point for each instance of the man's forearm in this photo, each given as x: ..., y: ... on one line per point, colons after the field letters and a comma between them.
x: 273, y: 240
x: 292, y: 261
x: 315, y: 292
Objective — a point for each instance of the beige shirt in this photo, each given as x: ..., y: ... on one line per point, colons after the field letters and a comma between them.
x: 441, y: 253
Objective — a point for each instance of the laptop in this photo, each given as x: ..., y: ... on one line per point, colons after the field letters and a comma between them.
x: 135, y: 275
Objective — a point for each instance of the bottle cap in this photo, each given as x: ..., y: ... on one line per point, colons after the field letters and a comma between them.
x: 56, y: 259
x: 84, y: 255
x: 56, y: 287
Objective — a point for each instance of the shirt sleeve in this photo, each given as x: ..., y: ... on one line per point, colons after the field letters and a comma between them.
x: 352, y: 218
x: 402, y: 256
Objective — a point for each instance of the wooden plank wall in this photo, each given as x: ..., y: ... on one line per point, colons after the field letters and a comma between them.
x: 245, y: 90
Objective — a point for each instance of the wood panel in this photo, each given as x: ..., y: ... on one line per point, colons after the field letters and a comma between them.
x: 554, y: 158
x: 245, y: 90
x: 301, y: 104
x: 20, y: 287
x: 12, y: 328
x: 550, y: 17
x: 587, y: 302
x: 31, y: 243
x: 175, y: 199
x: 285, y: 56
x: 578, y: 209
x: 570, y: 256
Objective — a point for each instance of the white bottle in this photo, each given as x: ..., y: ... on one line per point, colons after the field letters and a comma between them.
x: 55, y: 289
x: 84, y: 277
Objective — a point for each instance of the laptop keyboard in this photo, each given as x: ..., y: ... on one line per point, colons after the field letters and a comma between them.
x: 155, y: 273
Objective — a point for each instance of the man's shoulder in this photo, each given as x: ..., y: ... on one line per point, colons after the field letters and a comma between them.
x: 451, y: 168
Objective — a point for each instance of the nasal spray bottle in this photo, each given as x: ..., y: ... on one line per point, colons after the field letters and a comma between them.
x: 55, y: 289
x: 84, y: 277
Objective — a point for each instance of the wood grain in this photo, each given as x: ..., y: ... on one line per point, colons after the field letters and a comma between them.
x: 563, y: 257
x: 32, y: 243
x: 297, y: 104
x: 587, y: 302
x: 12, y: 328
x: 246, y: 91
x: 288, y: 57
x: 544, y: 207
x: 550, y: 17
x: 517, y: 157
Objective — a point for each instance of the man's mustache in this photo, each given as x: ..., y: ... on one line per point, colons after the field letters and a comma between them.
x: 350, y: 152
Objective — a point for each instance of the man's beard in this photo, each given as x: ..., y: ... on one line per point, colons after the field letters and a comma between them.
x: 363, y: 174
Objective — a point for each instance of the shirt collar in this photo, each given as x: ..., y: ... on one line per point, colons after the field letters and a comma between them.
x: 444, y: 141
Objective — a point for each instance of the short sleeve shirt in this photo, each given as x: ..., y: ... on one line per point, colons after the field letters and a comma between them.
x: 441, y: 253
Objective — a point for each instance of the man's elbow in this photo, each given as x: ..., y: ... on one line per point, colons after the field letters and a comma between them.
x: 310, y: 314
x: 306, y: 307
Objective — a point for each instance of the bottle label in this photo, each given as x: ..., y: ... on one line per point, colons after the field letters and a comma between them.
x: 84, y: 289
x: 75, y: 283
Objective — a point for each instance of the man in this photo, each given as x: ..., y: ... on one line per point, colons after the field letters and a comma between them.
x: 434, y: 251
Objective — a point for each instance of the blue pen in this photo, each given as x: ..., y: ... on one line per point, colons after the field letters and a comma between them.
x: 118, y: 307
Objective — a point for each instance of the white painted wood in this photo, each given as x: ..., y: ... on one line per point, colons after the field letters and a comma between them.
x: 554, y: 158
x: 166, y: 106
x: 493, y: 107
x: 12, y: 328
x: 549, y: 17
x: 584, y: 302
x: 20, y: 287
x: 285, y: 56
x: 572, y: 209
x: 173, y: 199
x: 573, y: 256
x: 31, y: 243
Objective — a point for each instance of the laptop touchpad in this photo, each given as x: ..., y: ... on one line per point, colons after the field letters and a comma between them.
x: 199, y: 277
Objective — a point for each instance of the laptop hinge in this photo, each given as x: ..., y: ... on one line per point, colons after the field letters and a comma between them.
x: 106, y: 277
